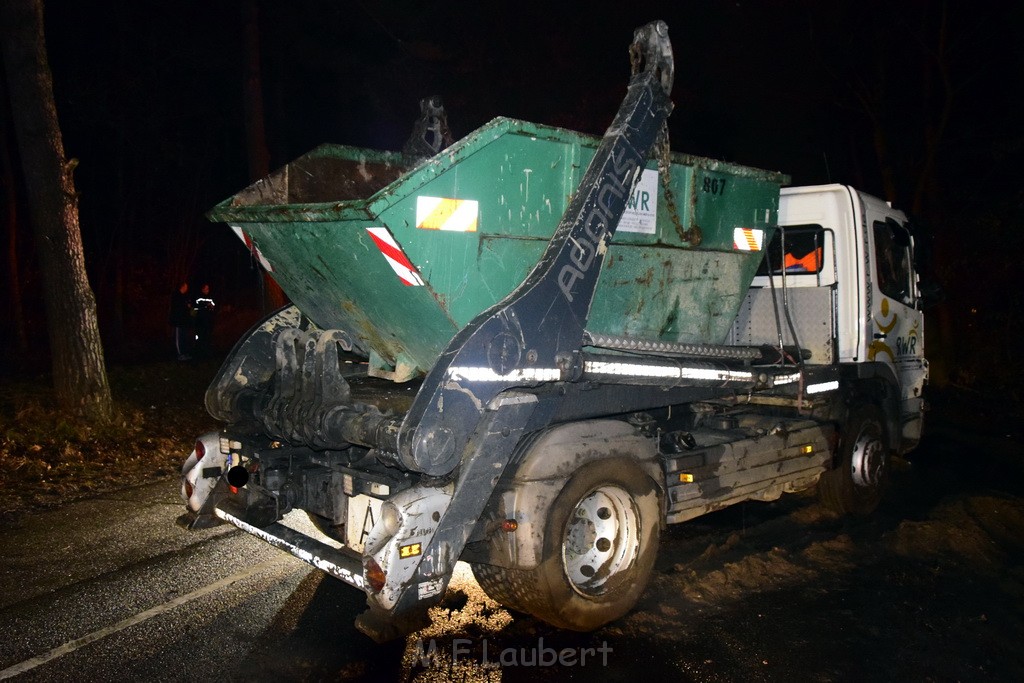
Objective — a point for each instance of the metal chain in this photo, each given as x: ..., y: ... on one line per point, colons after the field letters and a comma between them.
x: 693, y: 235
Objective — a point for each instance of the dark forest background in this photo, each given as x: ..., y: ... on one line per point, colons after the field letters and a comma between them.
x: 161, y: 103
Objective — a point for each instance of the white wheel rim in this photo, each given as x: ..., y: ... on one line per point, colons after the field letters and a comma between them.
x: 602, y: 539
x: 868, y: 461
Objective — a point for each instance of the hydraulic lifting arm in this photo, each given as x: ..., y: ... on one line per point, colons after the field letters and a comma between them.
x: 536, y: 333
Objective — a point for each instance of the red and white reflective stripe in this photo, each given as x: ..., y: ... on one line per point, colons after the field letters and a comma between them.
x: 253, y: 249
x: 747, y: 239
x: 454, y: 215
x: 397, y: 259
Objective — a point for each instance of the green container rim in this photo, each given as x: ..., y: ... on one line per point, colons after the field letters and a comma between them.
x: 229, y: 211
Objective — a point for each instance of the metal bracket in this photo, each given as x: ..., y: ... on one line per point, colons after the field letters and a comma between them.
x: 430, y: 134
x: 487, y: 455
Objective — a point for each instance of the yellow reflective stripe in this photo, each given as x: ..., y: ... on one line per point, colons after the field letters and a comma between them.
x: 439, y: 213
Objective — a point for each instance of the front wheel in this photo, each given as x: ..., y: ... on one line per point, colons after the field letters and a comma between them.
x: 857, y: 483
x: 600, y: 542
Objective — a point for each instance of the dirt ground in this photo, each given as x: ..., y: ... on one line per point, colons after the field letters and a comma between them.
x: 931, y: 587
x: 47, y: 459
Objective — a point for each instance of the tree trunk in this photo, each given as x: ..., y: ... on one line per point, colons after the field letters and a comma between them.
x: 255, y: 128
x: 79, y: 371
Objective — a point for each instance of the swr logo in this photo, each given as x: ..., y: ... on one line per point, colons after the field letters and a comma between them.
x: 907, y: 346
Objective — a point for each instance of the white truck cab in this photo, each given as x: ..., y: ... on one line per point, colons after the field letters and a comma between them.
x: 841, y: 271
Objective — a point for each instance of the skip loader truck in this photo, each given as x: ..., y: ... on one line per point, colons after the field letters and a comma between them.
x: 534, y: 349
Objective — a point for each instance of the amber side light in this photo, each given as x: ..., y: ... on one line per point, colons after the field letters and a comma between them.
x: 374, y: 575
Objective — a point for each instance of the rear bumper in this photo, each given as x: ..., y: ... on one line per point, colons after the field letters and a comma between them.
x: 335, y: 562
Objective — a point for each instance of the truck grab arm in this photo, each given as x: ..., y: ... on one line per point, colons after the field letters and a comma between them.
x: 536, y: 333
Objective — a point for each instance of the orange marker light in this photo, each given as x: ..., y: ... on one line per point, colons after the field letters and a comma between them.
x: 374, y: 575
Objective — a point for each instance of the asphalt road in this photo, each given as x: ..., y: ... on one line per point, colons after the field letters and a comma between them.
x: 931, y: 588
x: 113, y: 589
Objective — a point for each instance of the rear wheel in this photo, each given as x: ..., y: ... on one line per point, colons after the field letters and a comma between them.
x: 857, y: 483
x: 600, y: 542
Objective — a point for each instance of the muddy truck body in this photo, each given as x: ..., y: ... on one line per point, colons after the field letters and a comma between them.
x: 535, y: 349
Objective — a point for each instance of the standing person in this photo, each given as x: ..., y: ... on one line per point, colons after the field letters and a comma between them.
x: 204, y: 310
x: 181, y: 321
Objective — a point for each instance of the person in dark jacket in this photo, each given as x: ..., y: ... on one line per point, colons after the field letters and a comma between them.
x: 203, y: 307
x: 181, y: 321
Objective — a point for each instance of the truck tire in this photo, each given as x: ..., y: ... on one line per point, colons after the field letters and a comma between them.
x: 600, y: 542
x: 857, y: 483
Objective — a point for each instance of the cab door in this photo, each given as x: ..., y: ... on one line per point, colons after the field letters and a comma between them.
x: 896, y: 323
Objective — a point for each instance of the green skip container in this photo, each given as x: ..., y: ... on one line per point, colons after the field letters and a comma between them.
x: 403, y: 253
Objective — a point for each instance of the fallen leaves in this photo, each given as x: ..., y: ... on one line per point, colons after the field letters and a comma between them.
x: 47, y: 458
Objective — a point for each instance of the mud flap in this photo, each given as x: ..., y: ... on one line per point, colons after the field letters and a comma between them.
x: 205, y: 518
x: 382, y: 626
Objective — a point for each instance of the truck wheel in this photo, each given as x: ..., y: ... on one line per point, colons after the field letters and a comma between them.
x: 856, y: 485
x: 600, y: 542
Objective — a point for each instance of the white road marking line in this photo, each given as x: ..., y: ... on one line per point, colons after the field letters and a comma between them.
x: 77, y: 643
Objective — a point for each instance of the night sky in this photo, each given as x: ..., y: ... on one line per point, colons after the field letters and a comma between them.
x: 910, y: 100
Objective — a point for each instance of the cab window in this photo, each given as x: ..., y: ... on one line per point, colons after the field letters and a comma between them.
x: 892, y: 261
x: 799, y: 249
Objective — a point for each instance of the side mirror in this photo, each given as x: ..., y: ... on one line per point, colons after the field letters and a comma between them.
x: 931, y: 295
